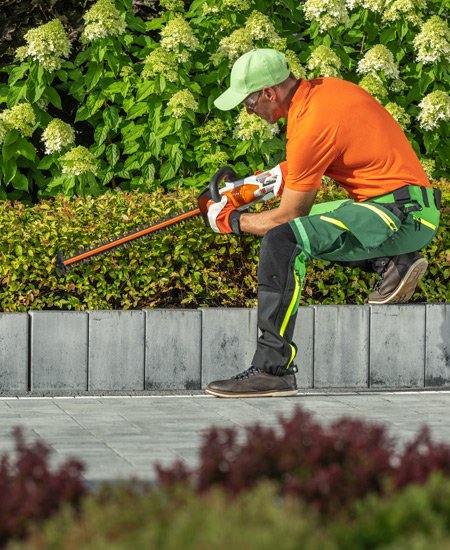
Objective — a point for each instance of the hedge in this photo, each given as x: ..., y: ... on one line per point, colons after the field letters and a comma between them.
x: 189, y: 266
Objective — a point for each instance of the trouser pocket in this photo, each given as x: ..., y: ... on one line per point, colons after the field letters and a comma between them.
x: 349, y: 232
x: 370, y: 223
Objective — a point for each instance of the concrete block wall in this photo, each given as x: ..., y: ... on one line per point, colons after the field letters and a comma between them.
x: 354, y: 347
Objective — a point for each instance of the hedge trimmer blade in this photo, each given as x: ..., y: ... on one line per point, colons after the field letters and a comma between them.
x: 63, y: 265
x: 241, y: 193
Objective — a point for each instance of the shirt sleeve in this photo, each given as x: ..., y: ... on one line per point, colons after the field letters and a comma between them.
x: 308, y: 157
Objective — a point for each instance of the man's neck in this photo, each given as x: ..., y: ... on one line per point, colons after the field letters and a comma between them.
x: 292, y: 86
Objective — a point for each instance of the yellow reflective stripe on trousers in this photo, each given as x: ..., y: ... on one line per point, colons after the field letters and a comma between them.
x: 291, y: 305
x: 380, y: 213
x: 293, y: 354
x: 428, y: 224
x: 335, y: 222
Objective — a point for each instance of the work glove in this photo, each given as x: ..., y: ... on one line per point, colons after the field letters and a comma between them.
x: 223, y: 217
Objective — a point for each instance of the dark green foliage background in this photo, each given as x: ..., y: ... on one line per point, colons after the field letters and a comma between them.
x: 125, y: 119
x: 190, y: 266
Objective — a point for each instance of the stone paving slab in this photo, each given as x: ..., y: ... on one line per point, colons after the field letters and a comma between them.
x: 121, y: 437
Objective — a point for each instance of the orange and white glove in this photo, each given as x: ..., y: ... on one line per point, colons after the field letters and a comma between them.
x: 273, y: 176
x: 223, y: 217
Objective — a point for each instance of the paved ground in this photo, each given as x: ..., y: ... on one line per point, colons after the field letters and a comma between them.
x: 119, y: 437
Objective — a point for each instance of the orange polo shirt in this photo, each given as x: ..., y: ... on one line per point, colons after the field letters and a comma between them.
x: 336, y: 128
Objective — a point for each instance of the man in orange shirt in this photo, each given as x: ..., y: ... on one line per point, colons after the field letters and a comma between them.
x: 334, y: 128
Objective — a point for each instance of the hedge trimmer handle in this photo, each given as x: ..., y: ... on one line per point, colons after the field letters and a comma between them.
x: 242, y: 193
x: 226, y: 174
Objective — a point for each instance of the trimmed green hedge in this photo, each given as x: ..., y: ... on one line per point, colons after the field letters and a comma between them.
x: 189, y: 266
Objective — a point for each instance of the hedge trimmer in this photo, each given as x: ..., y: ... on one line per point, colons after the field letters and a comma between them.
x: 242, y: 193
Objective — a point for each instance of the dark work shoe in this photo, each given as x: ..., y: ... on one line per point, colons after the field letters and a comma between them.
x: 254, y: 382
x: 399, y: 279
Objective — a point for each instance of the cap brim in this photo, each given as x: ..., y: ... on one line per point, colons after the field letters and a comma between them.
x: 229, y: 100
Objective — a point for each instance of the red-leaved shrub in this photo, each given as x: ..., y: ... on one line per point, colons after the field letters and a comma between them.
x: 420, y: 458
x: 327, y: 466
x: 30, y: 491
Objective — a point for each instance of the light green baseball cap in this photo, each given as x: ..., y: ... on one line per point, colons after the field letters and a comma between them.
x: 252, y: 72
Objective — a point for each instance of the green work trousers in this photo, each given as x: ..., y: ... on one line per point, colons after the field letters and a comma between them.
x: 340, y: 231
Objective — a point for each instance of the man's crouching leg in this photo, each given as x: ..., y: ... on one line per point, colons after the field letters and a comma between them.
x: 280, y: 277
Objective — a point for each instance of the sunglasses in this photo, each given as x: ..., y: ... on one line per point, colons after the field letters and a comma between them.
x: 251, y: 101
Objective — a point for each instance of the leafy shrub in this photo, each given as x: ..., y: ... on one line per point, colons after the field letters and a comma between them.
x: 179, y: 268
x: 327, y: 467
x: 243, y: 495
x: 182, y: 519
x: 416, y: 517
x: 140, y: 93
x: 19, y: 16
x: 189, y: 266
x: 30, y: 491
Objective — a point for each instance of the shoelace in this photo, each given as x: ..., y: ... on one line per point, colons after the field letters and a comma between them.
x: 247, y: 373
x: 381, y: 279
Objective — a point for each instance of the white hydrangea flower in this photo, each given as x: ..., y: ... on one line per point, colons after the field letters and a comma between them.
x: 78, y: 161
x: 433, y: 41
x: 429, y: 166
x: 214, y: 129
x: 127, y: 72
x: 409, y: 10
x: 233, y: 46
x: 399, y: 114
x: 259, y: 26
x: 379, y: 59
x: 21, y: 53
x: 373, y: 84
x: 435, y: 107
x: 252, y: 126
x: 47, y: 44
x: 161, y: 61
x: 103, y: 19
x: 57, y: 135
x: 207, y: 9
x: 277, y: 43
x: 181, y: 101
x: 172, y: 5
x: 42, y: 103
x: 376, y: 6
x: 218, y: 158
x: 294, y: 64
x: 237, y: 5
x: 398, y: 86
x: 3, y: 130
x: 177, y: 36
x: 329, y: 13
x: 21, y: 117
x: 325, y: 60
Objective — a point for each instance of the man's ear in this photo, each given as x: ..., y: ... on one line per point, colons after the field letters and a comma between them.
x: 269, y: 93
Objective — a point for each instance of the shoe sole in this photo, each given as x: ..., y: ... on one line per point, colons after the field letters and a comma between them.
x: 407, y: 287
x: 285, y: 393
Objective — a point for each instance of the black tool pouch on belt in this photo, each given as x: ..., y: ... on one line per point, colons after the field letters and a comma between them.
x: 437, y: 198
x: 399, y: 210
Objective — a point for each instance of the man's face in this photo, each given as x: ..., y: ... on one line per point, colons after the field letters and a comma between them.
x: 263, y: 104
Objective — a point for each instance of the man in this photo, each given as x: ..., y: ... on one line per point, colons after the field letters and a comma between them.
x: 334, y: 128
